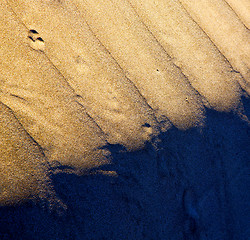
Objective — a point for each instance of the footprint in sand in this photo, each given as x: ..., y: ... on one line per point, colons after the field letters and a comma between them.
x: 36, y: 42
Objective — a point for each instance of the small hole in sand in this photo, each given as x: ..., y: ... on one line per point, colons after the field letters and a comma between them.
x: 40, y: 39
x: 157, y: 70
x: 31, y: 38
x: 146, y: 125
x: 33, y: 31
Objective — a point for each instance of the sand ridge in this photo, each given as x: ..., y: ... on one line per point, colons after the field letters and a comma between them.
x: 80, y: 75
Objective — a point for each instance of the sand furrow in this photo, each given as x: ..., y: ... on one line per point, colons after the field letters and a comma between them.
x: 50, y: 114
x: 23, y: 167
x: 242, y: 9
x: 225, y: 29
x: 100, y: 84
x: 207, y: 70
x: 144, y: 61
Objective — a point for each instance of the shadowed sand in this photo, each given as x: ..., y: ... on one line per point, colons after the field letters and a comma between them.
x: 77, y: 77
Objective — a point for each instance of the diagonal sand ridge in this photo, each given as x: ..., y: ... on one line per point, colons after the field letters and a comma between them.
x: 78, y: 76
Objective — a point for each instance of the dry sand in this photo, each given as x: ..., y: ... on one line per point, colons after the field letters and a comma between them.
x: 79, y: 75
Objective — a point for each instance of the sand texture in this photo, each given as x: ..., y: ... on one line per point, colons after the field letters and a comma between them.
x: 124, y: 119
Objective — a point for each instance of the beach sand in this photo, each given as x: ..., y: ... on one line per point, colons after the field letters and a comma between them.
x: 143, y: 104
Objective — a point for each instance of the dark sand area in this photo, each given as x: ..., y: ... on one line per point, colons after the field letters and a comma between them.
x: 124, y: 119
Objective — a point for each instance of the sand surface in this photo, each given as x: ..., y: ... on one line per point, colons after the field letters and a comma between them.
x: 143, y: 95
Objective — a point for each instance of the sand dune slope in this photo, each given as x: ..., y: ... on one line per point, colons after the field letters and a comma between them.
x: 80, y: 78
x: 79, y: 74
